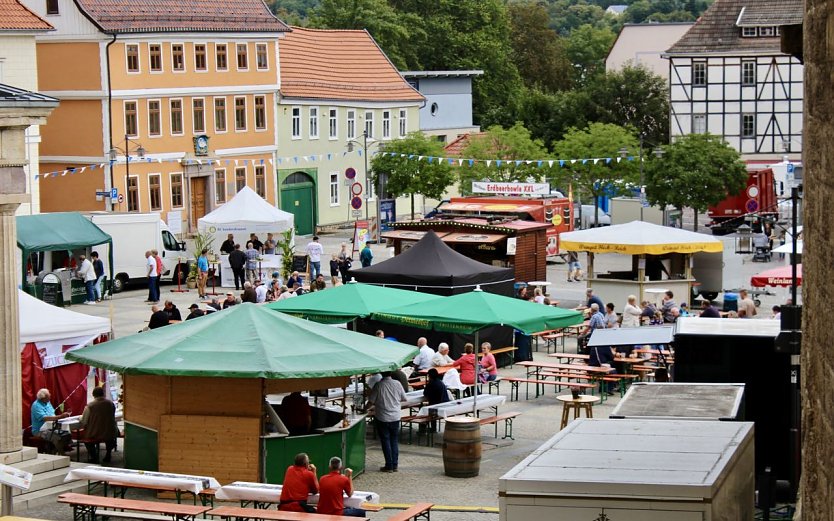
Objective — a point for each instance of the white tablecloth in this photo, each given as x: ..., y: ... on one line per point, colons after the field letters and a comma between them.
x: 193, y: 484
x: 266, y: 493
x: 74, y: 422
x: 444, y: 410
x: 413, y: 398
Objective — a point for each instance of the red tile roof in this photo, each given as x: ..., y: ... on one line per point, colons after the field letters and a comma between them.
x: 14, y: 16
x: 158, y: 16
x: 339, y: 65
x: 456, y: 147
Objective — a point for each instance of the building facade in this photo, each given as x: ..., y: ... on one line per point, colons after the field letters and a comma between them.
x: 728, y: 77
x: 18, y: 68
x: 175, y: 112
x: 447, y: 113
x: 337, y: 87
x: 643, y: 45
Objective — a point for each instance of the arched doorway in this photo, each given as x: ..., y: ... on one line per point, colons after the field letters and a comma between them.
x: 298, y: 196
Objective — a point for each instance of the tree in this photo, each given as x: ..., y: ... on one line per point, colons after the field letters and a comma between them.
x: 548, y: 116
x: 587, y: 48
x: 538, y: 52
x: 405, y: 174
x: 596, y: 148
x: 509, y: 151
x: 696, y: 171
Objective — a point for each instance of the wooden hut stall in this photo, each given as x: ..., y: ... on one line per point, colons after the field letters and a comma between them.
x: 516, y: 244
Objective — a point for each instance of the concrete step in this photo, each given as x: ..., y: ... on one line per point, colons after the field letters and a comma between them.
x: 43, y: 463
x: 10, y: 458
x: 46, y: 496
x: 48, y: 479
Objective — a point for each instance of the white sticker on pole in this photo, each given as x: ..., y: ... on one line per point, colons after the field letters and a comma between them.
x: 15, y: 477
x: 489, y: 187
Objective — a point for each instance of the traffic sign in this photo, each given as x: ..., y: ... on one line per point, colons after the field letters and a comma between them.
x: 121, y: 198
x: 355, y: 189
x: 790, y: 167
x: 752, y: 205
x: 356, y: 213
x: 350, y: 173
x: 356, y: 203
x: 114, y: 193
x: 102, y: 194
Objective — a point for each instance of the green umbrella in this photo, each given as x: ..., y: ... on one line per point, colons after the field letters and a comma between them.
x: 247, y: 341
x: 347, y: 302
x: 469, y: 312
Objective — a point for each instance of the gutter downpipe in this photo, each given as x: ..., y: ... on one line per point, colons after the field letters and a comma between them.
x: 110, y: 113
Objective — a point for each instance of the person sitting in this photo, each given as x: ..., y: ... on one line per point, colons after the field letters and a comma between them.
x: 294, y: 282
x: 158, y: 319
x: 603, y: 356
x: 296, y: 414
x: 43, y: 414
x: 260, y: 292
x: 286, y: 293
x: 333, y: 488
x: 423, y: 359
x: 709, y: 311
x: 195, y: 312
x: 318, y: 284
x: 299, y: 482
x: 488, y: 365
x: 99, y: 422
x: 172, y: 311
x: 441, y: 358
x: 466, y: 365
x: 230, y: 300
x: 435, y: 390
x: 597, y: 322
x: 249, y: 294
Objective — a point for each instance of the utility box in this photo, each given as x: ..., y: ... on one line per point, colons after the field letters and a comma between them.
x: 635, y: 470
x: 681, y: 401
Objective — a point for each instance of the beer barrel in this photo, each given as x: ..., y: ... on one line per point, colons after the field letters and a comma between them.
x: 462, y: 447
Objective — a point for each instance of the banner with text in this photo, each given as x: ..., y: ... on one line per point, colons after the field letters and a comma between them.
x: 488, y: 187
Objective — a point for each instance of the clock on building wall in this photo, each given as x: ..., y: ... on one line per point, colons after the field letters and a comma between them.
x: 201, y: 145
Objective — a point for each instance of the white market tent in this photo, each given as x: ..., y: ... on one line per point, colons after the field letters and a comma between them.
x: 245, y: 213
x: 42, y: 322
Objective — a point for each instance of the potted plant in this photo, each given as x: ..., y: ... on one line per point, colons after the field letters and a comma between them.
x: 287, y: 248
x: 201, y: 241
x: 191, y: 280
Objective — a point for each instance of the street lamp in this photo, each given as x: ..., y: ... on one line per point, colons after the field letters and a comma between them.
x: 350, y: 146
x: 658, y: 152
x: 114, y: 155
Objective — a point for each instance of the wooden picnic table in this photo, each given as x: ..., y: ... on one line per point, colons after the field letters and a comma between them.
x: 85, y: 507
x: 569, y: 356
x: 123, y: 479
x: 273, y: 515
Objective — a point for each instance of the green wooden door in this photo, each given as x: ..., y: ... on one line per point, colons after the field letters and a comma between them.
x: 298, y: 199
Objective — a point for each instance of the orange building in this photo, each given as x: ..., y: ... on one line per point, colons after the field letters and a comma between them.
x: 170, y: 102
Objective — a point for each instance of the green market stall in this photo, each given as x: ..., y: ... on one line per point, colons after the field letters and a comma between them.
x: 194, y: 392
x: 52, y: 241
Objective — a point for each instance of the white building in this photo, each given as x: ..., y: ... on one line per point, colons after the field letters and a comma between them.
x: 643, y: 45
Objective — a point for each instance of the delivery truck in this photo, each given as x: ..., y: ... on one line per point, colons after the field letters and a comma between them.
x: 755, y: 204
x: 133, y: 234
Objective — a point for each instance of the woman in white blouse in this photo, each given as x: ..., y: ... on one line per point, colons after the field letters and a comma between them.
x: 631, y: 313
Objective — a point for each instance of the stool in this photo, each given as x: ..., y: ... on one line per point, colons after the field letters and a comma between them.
x: 583, y: 402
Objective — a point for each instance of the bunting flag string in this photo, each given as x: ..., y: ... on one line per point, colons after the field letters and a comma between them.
x: 331, y: 156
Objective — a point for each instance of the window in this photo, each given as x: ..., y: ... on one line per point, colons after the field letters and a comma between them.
x: 240, y: 113
x: 198, y: 111
x: 220, y: 114
x: 748, y: 125
x: 699, y: 74
x: 260, y: 113
x: 351, y: 124
x: 314, y: 122
x: 176, y: 190
x: 748, y: 32
x: 220, y: 185
x: 296, y: 122
x: 767, y: 31
x: 386, y: 124
x: 177, y: 57
x: 154, y: 117
x: 132, y: 54
x: 131, y: 119
x: 748, y: 72
x: 133, y: 194
x: 221, y: 59
x: 699, y: 124
x: 369, y: 124
x: 240, y: 178
x: 176, y: 116
x: 52, y: 7
x: 334, y: 189
x: 155, y: 190
x: 200, y: 57
x: 242, y: 57
x: 155, y: 57
x: 333, y: 127
x: 260, y: 180
x: 261, y: 56
x: 403, y: 122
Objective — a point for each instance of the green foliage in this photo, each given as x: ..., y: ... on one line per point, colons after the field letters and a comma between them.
x: 548, y: 116
x: 202, y: 241
x: 408, y: 176
x: 587, y: 48
x: 568, y: 15
x: 538, y: 52
x: 644, y: 11
x: 285, y: 246
x: 697, y: 171
x: 510, y: 145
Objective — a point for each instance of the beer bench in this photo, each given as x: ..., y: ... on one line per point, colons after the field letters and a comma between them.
x: 87, y: 508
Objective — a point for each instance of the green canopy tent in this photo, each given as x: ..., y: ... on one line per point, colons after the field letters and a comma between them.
x: 348, y: 302
x: 59, y: 231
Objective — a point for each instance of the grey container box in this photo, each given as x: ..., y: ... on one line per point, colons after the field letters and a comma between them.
x: 635, y: 470
x: 681, y: 401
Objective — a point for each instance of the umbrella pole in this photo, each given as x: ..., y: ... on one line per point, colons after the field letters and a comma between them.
x: 475, y: 390
x: 344, y: 407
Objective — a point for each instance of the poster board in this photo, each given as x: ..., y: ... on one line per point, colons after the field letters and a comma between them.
x: 361, y: 235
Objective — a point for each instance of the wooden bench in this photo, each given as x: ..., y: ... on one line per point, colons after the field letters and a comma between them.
x: 551, y: 339
x: 506, y: 417
x: 420, y: 510
x: 514, y: 382
x: 120, y: 488
x: 89, y: 507
x: 273, y: 515
x: 413, y: 420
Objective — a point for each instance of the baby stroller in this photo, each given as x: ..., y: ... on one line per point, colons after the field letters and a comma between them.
x: 762, y: 248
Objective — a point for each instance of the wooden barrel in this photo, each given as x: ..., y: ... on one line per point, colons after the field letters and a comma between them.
x: 462, y: 447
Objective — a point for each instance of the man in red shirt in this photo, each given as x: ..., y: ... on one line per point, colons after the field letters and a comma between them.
x: 332, y: 488
x: 299, y: 481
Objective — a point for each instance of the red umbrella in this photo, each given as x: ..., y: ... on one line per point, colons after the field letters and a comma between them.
x: 777, y: 277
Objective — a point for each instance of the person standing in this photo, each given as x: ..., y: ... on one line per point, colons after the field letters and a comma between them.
x: 160, y: 270
x: 88, y: 275
x: 99, y: 423
x: 299, y: 481
x: 366, y: 256
x: 574, y: 267
x: 237, y: 261
x: 314, y: 251
x: 269, y: 245
x: 202, y: 273
x: 228, y: 245
x: 98, y: 267
x: 387, y: 397
x: 666, y: 307
x: 345, y: 263
x: 334, y: 270
x: 256, y: 243
x: 251, y: 261
x: 150, y: 262
x: 333, y: 488
x: 631, y: 313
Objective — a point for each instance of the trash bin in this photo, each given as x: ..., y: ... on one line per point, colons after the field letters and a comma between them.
x: 730, y: 301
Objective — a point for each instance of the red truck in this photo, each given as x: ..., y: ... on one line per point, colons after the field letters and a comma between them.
x: 556, y: 211
x: 756, y: 202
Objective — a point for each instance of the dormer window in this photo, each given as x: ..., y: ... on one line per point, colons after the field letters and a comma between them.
x: 748, y: 32
x: 760, y: 32
x: 52, y: 7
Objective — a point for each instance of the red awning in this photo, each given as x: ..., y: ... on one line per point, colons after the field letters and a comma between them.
x: 473, y: 238
x: 777, y: 277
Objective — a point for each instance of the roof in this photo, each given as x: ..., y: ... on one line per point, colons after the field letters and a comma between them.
x: 340, y: 65
x: 717, y: 29
x: 42, y: 322
x: 456, y: 147
x: 9, y: 94
x: 58, y: 231
x: 14, y: 16
x: 472, y: 223
x: 177, y: 16
x: 639, y: 237
x: 441, y: 74
x: 248, y: 209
